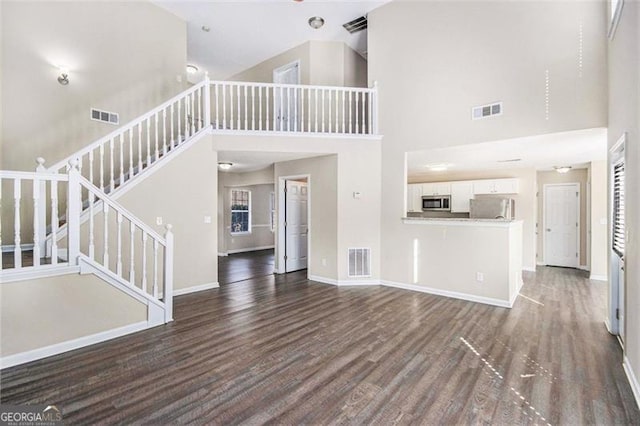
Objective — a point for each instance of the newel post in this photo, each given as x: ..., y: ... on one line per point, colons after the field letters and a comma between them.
x: 167, y: 291
x: 74, y: 209
x: 207, y: 100
x: 375, y: 107
x: 40, y: 215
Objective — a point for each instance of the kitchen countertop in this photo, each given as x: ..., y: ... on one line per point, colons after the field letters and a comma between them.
x: 459, y: 221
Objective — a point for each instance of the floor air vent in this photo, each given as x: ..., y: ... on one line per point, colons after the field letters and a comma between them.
x: 358, y: 24
x: 105, y: 116
x: 359, y: 262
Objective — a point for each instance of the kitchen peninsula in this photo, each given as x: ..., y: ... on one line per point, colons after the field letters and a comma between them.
x: 472, y: 259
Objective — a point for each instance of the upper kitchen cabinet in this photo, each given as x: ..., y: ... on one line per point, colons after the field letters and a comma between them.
x: 414, y: 197
x: 495, y: 186
x: 461, y: 194
x: 437, y: 188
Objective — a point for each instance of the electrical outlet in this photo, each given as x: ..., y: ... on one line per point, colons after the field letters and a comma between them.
x: 324, y: 262
x: 159, y: 220
x: 207, y: 219
x: 479, y: 277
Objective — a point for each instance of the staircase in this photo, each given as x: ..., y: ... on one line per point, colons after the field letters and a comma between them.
x: 69, y: 215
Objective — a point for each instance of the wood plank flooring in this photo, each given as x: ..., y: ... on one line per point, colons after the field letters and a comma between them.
x: 284, y: 350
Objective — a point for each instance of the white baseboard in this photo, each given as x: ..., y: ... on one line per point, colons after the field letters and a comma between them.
x: 202, y: 287
x: 598, y: 277
x: 583, y: 267
x: 633, y: 381
x: 7, y: 248
x: 446, y: 293
x: 529, y: 268
x: 607, y: 325
x: 223, y: 254
x: 244, y: 250
x: 69, y: 345
x: 541, y: 263
x: 343, y: 283
x: 33, y: 273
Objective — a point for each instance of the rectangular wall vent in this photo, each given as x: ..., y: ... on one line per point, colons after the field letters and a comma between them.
x: 359, y: 262
x: 484, y: 111
x: 358, y: 24
x: 105, y: 116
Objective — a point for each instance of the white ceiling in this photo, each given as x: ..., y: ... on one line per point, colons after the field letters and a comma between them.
x: 250, y: 161
x: 539, y: 152
x: 246, y: 32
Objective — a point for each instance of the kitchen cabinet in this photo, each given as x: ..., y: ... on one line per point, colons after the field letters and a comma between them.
x: 414, y: 197
x: 461, y: 194
x: 495, y: 186
x: 437, y: 188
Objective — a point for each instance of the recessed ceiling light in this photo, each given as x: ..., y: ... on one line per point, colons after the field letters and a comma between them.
x: 224, y: 165
x: 316, y: 22
x: 438, y: 167
x: 206, y: 29
x: 562, y: 169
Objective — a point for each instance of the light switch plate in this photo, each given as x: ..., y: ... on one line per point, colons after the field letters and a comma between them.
x: 207, y: 219
x: 159, y: 220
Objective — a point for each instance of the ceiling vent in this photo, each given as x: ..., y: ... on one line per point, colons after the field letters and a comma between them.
x: 105, y: 116
x: 485, y: 111
x: 358, y: 24
x: 359, y: 262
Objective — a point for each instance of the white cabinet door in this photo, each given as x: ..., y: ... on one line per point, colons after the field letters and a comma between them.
x: 481, y: 187
x: 439, y: 188
x: 414, y: 197
x: 461, y: 193
x: 506, y: 186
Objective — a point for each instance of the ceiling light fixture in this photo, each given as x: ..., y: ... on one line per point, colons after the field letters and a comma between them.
x: 224, y: 165
x: 316, y: 22
x: 63, y: 78
x: 438, y: 167
x: 191, y: 69
x: 206, y: 29
x: 562, y: 169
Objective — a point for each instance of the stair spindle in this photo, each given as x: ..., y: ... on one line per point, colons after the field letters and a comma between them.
x: 55, y: 221
x: 172, y: 141
x: 295, y: 110
x: 330, y: 116
x: 260, y: 108
x: 316, y: 102
x: 199, y: 108
x: 105, y: 249
x: 336, y: 126
x: 164, y: 131
x: 91, y: 227
x: 224, y: 107
x: 217, y: 126
x: 119, y: 248
x: 302, y: 110
x: 148, y: 120
x: 253, y: 108
x: 155, y: 268
x: 17, y: 195
x: 343, y: 116
x: 188, y: 116
x: 36, y: 222
x: 357, y: 121
x: 130, y: 155
x: 102, y: 167
x: 139, y: 153
x: 178, y: 136
x: 132, y: 273
x: 350, y: 112
x: 238, y: 126
x: 308, y: 109
x: 364, y: 115
x: 144, y: 262
x: 193, y: 114
x: 156, y: 139
x: 323, y: 108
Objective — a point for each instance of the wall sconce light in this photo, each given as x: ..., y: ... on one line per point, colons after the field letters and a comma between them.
x: 63, y: 78
x: 224, y: 165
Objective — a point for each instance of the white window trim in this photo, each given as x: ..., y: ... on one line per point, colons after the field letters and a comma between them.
x: 614, y: 17
x: 272, y: 210
x: 232, y: 211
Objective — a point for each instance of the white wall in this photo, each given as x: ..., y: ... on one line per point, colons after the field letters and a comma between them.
x: 624, y: 116
x: 449, y: 56
x: 599, y: 220
x: 261, y: 235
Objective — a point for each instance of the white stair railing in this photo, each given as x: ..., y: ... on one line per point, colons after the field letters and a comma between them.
x: 265, y: 107
x: 115, y: 159
x: 112, y: 243
x: 30, y: 207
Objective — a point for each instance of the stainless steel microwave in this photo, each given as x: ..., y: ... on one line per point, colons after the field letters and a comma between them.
x: 436, y: 203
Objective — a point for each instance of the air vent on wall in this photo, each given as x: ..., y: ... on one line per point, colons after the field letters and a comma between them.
x: 358, y: 24
x: 485, y: 111
x: 105, y: 116
x: 359, y: 262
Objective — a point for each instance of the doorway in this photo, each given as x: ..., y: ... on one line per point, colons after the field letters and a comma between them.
x: 285, y: 100
x: 617, y: 236
x: 294, y: 224
x: 561, y: 206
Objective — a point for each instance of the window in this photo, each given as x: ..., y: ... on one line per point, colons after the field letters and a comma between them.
x: 618, y: 208
x: 240, y: 211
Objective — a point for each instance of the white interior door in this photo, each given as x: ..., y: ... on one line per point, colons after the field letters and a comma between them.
x: 561, y: 223
x: 296, y: 226
x: 284, y: 99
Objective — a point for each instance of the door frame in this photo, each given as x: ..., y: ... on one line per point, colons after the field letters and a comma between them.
x: 285, y: 67
x: 617, y: 153
x: 544, y: 219
x: 282, y: 237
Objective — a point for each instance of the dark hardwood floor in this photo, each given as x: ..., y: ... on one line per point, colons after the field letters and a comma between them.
x: 281, y: 349
x: 243, y: 266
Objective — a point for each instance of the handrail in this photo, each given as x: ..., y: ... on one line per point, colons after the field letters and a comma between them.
x: 64, y: 162
x: 295, y: 86
x: 120, y: 209
x: 10, y: 174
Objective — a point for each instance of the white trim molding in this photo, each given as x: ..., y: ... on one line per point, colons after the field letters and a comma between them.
x: 69, y: 345
x: 43, y: 271
x: 248, y: 249
x: 225, y: 254
x: 452, y: 294
x: 343, y: 283
x: 633, y: 381
x: 11, y: 247
x: 598, y: 277
x: 195, y: 288
x: 529, y: 268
